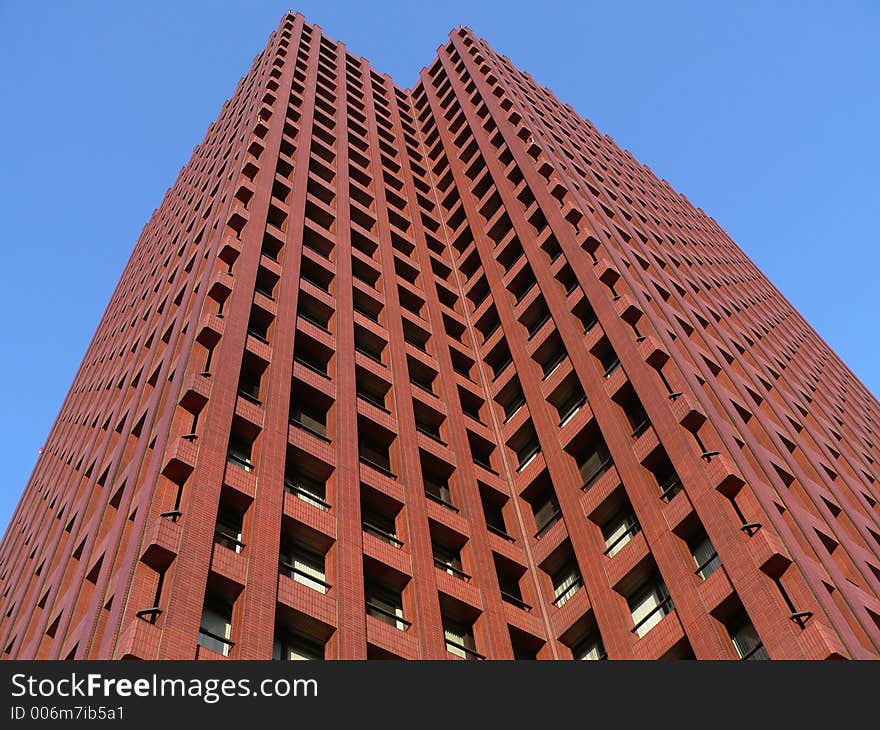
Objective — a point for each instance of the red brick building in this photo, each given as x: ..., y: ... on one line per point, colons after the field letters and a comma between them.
x: 437, y: 373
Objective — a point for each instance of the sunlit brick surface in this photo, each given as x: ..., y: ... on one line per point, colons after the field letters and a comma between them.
x: 442, y: 373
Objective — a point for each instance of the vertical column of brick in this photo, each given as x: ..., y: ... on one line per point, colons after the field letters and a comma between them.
x: 484, y: 570
x: 428, y: 624
x: 351, y: 640
x: 193, y: 563
x: 143, y: 482
x: 687, y: 602
x: 259, y: 596
x: 77, y: 493
x: 140, y: 474
x: 119, y: 400
x: 558, y: 465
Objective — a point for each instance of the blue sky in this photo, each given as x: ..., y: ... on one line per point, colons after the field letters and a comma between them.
x: 765, y: 114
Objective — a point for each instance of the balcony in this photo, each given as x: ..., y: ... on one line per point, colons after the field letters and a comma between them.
x: 448, y: 567
x: 619, y: 534
x: 545, y: 523
x: 161, y: 541
x: 515, y: 600
x: 180, y: 460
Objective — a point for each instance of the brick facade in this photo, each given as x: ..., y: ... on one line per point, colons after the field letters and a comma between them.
x: 438, y: 373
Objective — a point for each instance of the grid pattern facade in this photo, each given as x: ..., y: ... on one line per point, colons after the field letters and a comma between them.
x: 442, y: 373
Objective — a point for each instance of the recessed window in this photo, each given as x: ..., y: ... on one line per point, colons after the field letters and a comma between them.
x: 704, y: 554
x: 385, y: 604
x: 291, y: 646
x: 374, y: 446
x: 590, y: 647
x: 307, y: 480
x: 566, y: 582
x: 215, y: 628
x: 379, y: 516
x: 668, y: 481
x: 746, y: 642
x: 240, y: 451
x: 607, y: 357
x: 648, y: 605
x: 459, y: 639
x: 619, y: 530
x: 303, y: 564
x: 228, y: 530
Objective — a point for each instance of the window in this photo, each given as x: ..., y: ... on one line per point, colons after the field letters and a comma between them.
x: 314, y: 311
x: 589, y: 648
x: 447, y: 559
x: 584, y: 312
x: 304, y: 565
x: 511, y: 399
x: 607, y: 357
x: 371, y: 395
x: 427, y: 423
x: 494, y: 514
x: 239, y: 452
x: 312, y: 354
x: 619, y: 531
x: 594, y: 460
x: 374, y: 446
x: 551, y: 361
x: 459, y: 639
x: 368, y: 344
x: 566, y: 582
x: 215, y: 628
x: 249, y: 380
x: 632, y: 409
x: 705, y: 557
x: 649, y: 605
x: 568, y: 400
x: 546, y: 514
x: 297, y: 647
x: 509, y: 575
x: 481, y: 451
x: 667, y: 478
x: 259, y: 324
x: 380, y: 525
x: 308, y: 488
x: 439, y: 492
x: 747, y: 642
x: 525, y: 445
x: 375, y: 455
x: 386, y: 605
x: 309, y: 415
x: 535, y: 317
x: 526, y: 454
x: 228, y: 530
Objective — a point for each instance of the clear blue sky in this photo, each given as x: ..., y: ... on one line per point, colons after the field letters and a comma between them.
x: 765, y: 114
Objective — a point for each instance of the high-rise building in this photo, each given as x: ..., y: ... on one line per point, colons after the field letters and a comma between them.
x: 437, y: 373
